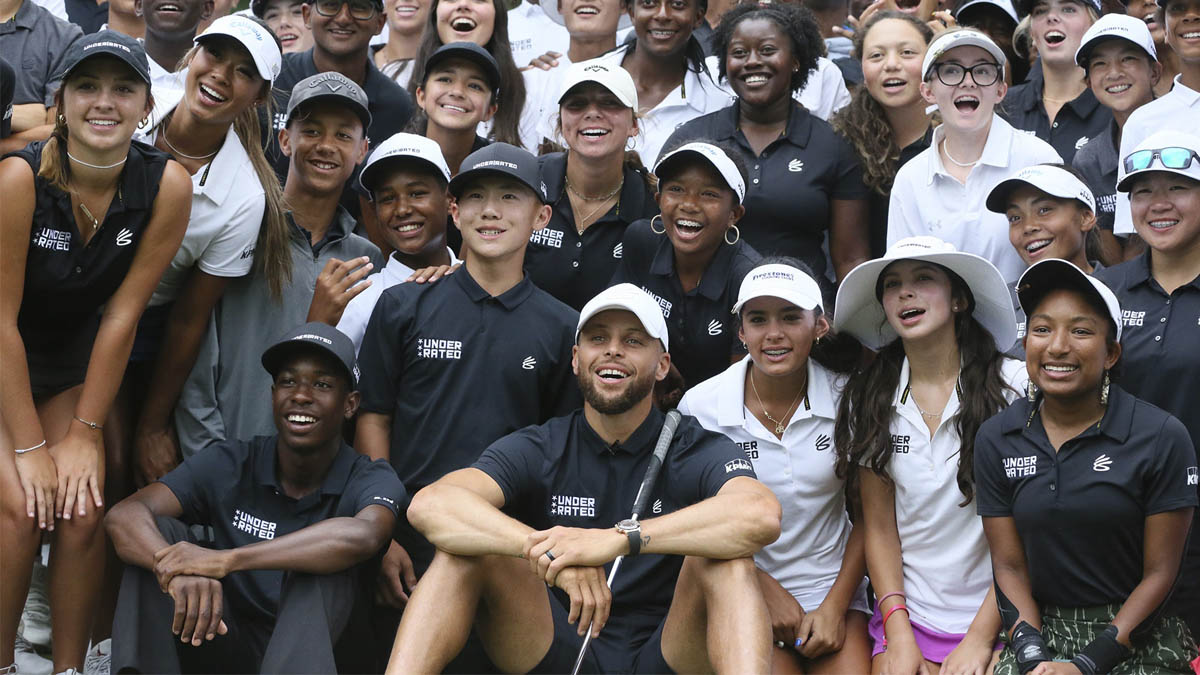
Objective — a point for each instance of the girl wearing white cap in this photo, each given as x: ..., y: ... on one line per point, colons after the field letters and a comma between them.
x: 1085, y: 496
x: 886, y: 121
x: 907, y: 423
x: 1160, y: 294
x: 779, y: 404
x: 90, y: 221
x: 596, y: 188
x: 1121, y: 64
x: 941, y: 192
x: 237, y: 224
x: 691, y: 258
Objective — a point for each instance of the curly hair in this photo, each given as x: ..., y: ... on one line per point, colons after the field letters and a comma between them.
x: 792, y: 19
x: 863, y: 121
x: 510, y: 99
x: 862, y: 433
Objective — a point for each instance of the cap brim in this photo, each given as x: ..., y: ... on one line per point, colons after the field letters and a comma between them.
x: 260, y: 64
x: 361, y: 111
x: 860, y: 314
x: 276, y: 355
x: 490, y: 70
x: 728, y: 173
x: 620, y: 97
x: 1126, y: 182
x: 459, y: 181
x: 371, y: 169
x: 127, y: 59
x: 593, y: 311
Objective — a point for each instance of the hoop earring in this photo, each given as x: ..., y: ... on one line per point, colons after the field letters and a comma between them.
x: 737, y: 233
x: 664, y: 227
x: 1104, y: 389
x: 1031, y: 391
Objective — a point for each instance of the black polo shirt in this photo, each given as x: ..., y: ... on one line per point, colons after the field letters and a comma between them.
x: 702, y: 331
x: 791, y: 184
x: 457, y: 369
x: 67, y: 282
x: 233, y: 488
x: 571, y: 267
x: 1076, y: 123
x: 878, y: 204
x: 562, y: 473
x: 89, y: 15
x: 390, y: 105
x: 1097, y: 160
x: 1081, y: 511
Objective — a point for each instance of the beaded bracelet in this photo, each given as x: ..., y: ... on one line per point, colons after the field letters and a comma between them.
x: 21, y: 451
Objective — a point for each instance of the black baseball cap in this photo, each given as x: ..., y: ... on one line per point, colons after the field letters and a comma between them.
x: 471, y: 52
x: 314, y: 335
x: 108, y: 42
x: 500, y: 158
x: 332, y: 86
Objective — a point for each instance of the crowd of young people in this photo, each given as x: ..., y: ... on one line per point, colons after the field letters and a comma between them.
x: 375, y: 395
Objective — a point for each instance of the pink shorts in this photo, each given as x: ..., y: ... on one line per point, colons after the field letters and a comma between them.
x: 934, y: 646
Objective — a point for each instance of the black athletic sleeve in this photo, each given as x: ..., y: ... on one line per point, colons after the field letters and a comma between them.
x: 849, y: 183
x: 993, y: 491
x: 515, y: 461
x: 380, y: 359
x: 1172, y: 481
x: 194, y: 480
x: 376, y: 483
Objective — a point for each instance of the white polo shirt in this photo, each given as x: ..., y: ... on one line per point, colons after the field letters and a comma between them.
x: 799, y: 469
x: 531, y: 33
x: 946, y: 564
x: 1177, y: 110
x: 823, y: 94
x: 227, y: 211
x: 927, y: 200
x: 540, y: 113
x: 358, y: 310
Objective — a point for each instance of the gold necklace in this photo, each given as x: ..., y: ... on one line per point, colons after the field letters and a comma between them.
x: 779, y: 425
x: 603, y: 198
x: 88, y: 213
x: 581, y: 224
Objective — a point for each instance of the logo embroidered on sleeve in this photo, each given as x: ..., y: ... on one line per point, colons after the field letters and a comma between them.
x: 737, y: 465
x: 1102, y: 463
x: 1192, y: 477
x: 822, y: 443
x: 529, y: 363
x: 715, y: 327
x: 795, y: 166
x: 124, y: 237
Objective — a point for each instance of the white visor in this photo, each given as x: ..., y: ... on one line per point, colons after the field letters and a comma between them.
x: 779, y: 281
x: 717, y: 158
x: 1052, y: 180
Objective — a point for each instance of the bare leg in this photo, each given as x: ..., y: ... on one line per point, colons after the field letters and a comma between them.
x: 499, y: 595
x: 76, y: 556
x: 718, y: 620
x: 786, y: 661
x: 855, y: 654
x: 20, y: 539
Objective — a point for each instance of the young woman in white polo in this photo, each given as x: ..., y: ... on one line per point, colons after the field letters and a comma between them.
x: 779, y: 404
x: 907, y: 424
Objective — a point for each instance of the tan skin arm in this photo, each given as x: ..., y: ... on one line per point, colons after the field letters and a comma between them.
x: 373, y: 435
x: 848, y: 235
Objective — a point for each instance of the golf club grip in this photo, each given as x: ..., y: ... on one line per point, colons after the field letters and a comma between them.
x: 656, y: 462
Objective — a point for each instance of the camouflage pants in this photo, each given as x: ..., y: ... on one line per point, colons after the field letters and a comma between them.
x: 1168, y: 649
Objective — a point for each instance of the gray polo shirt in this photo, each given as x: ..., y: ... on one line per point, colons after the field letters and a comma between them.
x: 33, y: 43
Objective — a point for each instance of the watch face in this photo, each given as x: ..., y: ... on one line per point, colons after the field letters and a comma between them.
x: 628, y: 524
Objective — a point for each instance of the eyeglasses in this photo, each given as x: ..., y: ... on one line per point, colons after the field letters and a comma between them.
x: 953, y: 74
x: 360, y: 10
x: 1169, y: 158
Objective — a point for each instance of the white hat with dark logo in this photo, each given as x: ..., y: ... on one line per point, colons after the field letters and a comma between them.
x: 403, y: 146
x: 254, y: 37
x: 631, y: 299
x: 1052, y: 180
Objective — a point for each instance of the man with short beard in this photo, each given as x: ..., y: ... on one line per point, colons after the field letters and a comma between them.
x: 524, y: 535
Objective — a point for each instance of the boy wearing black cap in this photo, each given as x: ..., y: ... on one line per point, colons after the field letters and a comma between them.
x: 324, y: 141
x: 294, y: 516
x: 451, y: 366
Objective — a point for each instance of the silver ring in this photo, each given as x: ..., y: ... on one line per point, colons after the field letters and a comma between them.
x: 550, y: 556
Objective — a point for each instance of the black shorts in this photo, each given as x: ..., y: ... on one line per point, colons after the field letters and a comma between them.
x: 151, y: 330
x: 58, y: 359
x: 606, y: 654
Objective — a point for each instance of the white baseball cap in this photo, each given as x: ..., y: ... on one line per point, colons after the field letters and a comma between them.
x: 1181, y: 147
x: 403, y: 145
x: 550, y: 7
x: 1052, y: 180
x: 1120, y: 26
x: 608, y: 75
x: 779, y: 281
x: 960, y: 37
x: 859, y: 311
x: 631, y: 299
x: 1005, y: 5
x: 1053, y: 274
x: 716, y: 157
x: 256, y: 39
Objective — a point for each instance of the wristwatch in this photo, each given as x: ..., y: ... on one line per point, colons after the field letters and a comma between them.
x: 632, y: 529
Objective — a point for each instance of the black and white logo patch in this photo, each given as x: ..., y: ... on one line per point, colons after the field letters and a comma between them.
x: 52, y: 240
x: 434, y: 348
x: 618, y: 250
x: 1102, y: 463
x: 795, y: 166
x: 571, y: 505
x: 736, y: 465
x: 253, y: 525
x: 547, y: 237
x: 822, y: 443
x: 1192, y: 477
x: 900, y: 444
x: 657, y: 508
x: 715, y: 327
x: 124, y: 237
x: 529, y: 363
x: 750, y: 448
x: 1020, y: 467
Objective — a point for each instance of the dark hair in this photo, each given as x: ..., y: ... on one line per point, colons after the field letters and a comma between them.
x: 795, y: 21
x: 511, y: 98
x: 863, y: 121
x: 729, y: 150
x: 862, y: 433
x: 835, y: 352
x: 1094, y: 301
x: 693, y: 51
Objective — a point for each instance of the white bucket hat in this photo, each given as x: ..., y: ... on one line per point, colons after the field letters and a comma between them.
x: 860, y: 313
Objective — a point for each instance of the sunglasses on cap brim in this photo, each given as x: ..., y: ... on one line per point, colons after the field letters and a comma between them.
x: 1168, y: 158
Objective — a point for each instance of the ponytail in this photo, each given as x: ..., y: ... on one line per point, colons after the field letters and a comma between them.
x: 55, y: 169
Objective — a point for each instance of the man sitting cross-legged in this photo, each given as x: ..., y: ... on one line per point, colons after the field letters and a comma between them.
x: 686, y: 598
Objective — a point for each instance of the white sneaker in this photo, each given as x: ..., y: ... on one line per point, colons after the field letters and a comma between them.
x: 36, y: 617
x: 99, y: 658
x: 27, y: 661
